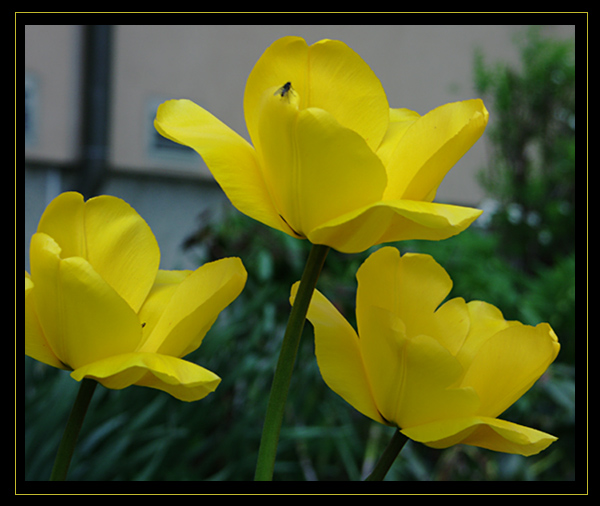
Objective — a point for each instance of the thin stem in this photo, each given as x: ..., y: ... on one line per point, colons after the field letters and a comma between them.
x: 69, y: 439
x: 285, y: 365
x: 389, y: 455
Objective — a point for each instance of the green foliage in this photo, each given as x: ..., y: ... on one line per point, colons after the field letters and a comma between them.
x: 531, y: 174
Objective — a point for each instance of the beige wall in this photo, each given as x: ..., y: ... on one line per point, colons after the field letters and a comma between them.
x: 420, y: 67
x: 52, y: 67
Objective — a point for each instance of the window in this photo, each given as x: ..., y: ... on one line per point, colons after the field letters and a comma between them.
x: 31, y: 110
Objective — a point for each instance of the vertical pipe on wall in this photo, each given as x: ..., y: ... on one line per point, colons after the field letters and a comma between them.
x: 96, y: 83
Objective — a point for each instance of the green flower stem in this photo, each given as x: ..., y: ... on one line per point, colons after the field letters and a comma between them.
x: 287, y: 356
x: 67, y: 443
x: 389, y: 455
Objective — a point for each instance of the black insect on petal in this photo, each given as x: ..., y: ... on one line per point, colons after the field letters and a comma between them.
x: 284, y: 90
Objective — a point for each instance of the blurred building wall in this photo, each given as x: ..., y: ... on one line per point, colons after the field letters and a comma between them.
x: 421, y: 67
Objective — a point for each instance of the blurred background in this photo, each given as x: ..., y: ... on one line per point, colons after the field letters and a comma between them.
x: 91, y: 93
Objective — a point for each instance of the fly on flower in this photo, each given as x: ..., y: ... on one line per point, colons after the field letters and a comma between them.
x: 284, y: 90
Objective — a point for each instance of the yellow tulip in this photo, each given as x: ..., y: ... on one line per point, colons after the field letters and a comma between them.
x: 441, y: 373
x: 329, y: 160
x: 96, y: 302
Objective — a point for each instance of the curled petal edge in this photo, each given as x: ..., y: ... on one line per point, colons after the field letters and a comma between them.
x: 390, y: 221
x: 490, y: 433
x: 181, y: 379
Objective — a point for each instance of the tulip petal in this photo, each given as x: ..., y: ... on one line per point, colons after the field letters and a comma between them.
x: 63, y: 220
x: 277, y: 150
x: 407, y: 341
x: 283, y: 61
x: 391, y: 221
x: 230, y: 158
x: 337, y: 170
x: 111, y: 236
x: 378, y: 279
x: 36, y: 345
x: 427, y: 220
x: 411, y: 378
x: 338, y: 355
x: 432, y: 146
x: 400, y: 121
x: 184, y: 380
x: 194, y: 303
x: 486, y: 321
x: 490, y: 433
x: 430, y: 373
x: 412, y: 288
x: 382, y: 344
x: 82, y: 317
x: 345, y: 86
x: 327, y: 75
x: 44, y: 257
x: 121, y: 248
x: 519, y: 355
x: 165, y: 285
x: 316, y: 169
